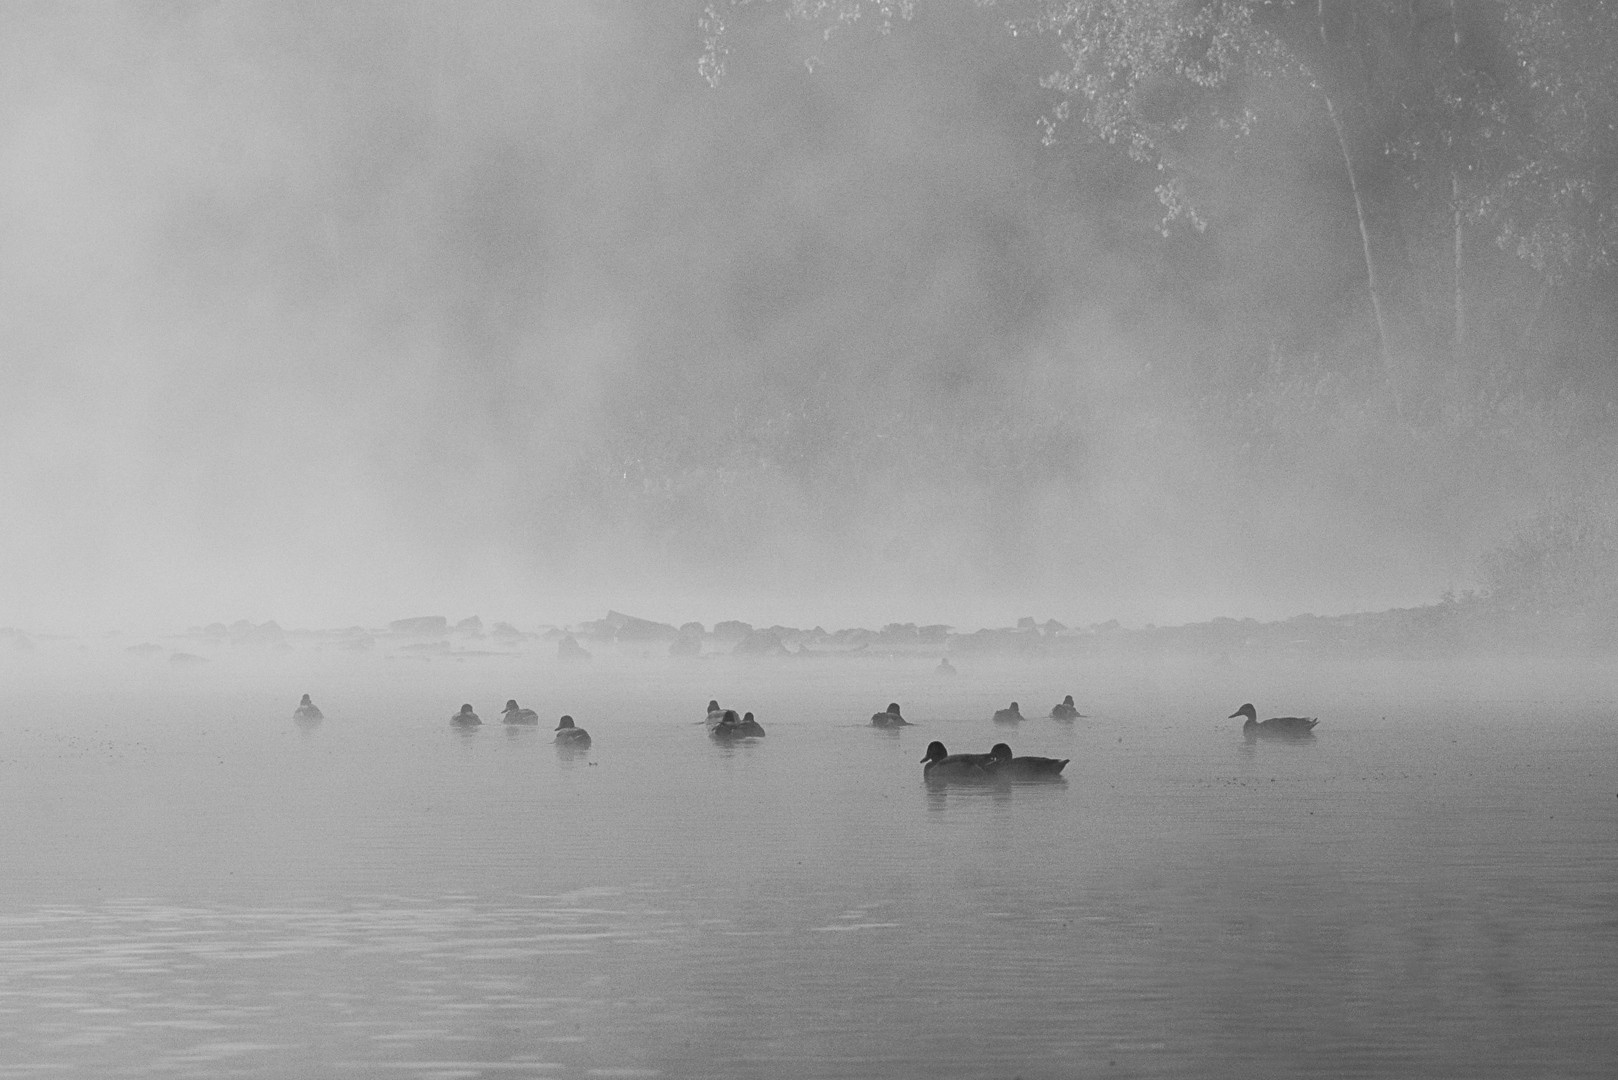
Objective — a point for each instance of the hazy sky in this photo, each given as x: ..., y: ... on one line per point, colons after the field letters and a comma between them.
x: 338, y: 313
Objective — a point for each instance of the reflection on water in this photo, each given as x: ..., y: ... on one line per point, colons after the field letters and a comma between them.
x: 195, y: 885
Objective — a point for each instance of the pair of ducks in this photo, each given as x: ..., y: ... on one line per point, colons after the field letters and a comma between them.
x: 1062, y: 710
x: 725, y: 724
x: 997, y: 764
x: 567, y: 733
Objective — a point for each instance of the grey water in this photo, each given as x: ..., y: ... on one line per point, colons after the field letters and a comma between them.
x: 192, y: 884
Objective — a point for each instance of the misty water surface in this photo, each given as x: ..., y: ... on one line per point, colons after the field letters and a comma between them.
x: 197, y: 886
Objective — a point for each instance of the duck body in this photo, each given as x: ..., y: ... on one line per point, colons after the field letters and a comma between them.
x: 890, y: 718
x: 1286, y: 727
x: 1008, y: 716
x: 941, y: 766
x: 307, y: 710
x: 1065, y: 710
x: 731, y: 726
x: 1025, y: 768
x: 516, y: 715
x: 570, y: 735
x: 465, y: 718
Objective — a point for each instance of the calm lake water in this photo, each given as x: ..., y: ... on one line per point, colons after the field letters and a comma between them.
x: 191, y: 884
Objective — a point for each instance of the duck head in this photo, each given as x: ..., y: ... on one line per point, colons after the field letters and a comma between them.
x: 466, y: 710
x: 306, y: 700
x: 748, y: 719
x: 935, y: 751
x: 730, y: 718
x: 566, y: 722
x: 1013, y: 706
x: 1068, y: 700
x: 1247, y: 711
x: 511, y: 706
x: 713, y: 706
x: 1000, y: 752
x: 893, y: 707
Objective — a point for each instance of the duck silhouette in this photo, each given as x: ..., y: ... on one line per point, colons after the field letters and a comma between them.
x: 465, y: 718
x: 891, y: 718
x: 715, y: 714
x: 1025, y: 768
x: 941, y: 765
x: 1283, y: 726
x: 516, y: 715
x: 1007, y: 716
x: 1065, y: 710
x: 750, y: 728
x: 569, y: 734
x: 944, y: 667
x: 307, y: 710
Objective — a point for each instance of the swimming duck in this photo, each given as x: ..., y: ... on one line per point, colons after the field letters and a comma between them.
x: 1293, y: 726
x: 465, y: 718
x: 569, y: 735
x: 515, y: 715
x: 1025, y: 768
x: 750, y: 728
x: 891, y: 718
x: 1007, y: 716
x: 307, y: 710
x: 940, y: 764
x: 945, y: 667
x: 1066, y: 710
x: 715, y: 714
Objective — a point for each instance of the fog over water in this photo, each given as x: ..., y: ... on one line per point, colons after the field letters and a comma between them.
x: 413, y: 355
x: 336, y: 315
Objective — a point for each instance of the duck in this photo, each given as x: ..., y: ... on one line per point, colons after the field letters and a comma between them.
x: 465, y: 718
x: 940, y: 764
x: 1007, y: 716
x: 1293, y: 726
x: 891, y: 718
x: 715, y: 714
x: 567, y: 734
x: 1025, y: 768
x: 1065, y: 710
x: 944, y: 667
x: 516, y: 715
x: 750, y: 728
x: 308, y: 710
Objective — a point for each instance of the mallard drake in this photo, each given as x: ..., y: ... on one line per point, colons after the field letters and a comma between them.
x: 466, y: 717
x: 891, y: 718
x: 1025, y: 768
x: 1065, y: 710
x: 1007, y: 716
x: 1293, y: 726
x: 567, y: 734
x: 940, y: 764
x: 516, y: 715
x: 307, y: 710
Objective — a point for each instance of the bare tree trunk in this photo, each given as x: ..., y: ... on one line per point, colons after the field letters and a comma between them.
x: 1365, y: 231
x: 1458, y: 342
x: 1365, y: 250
